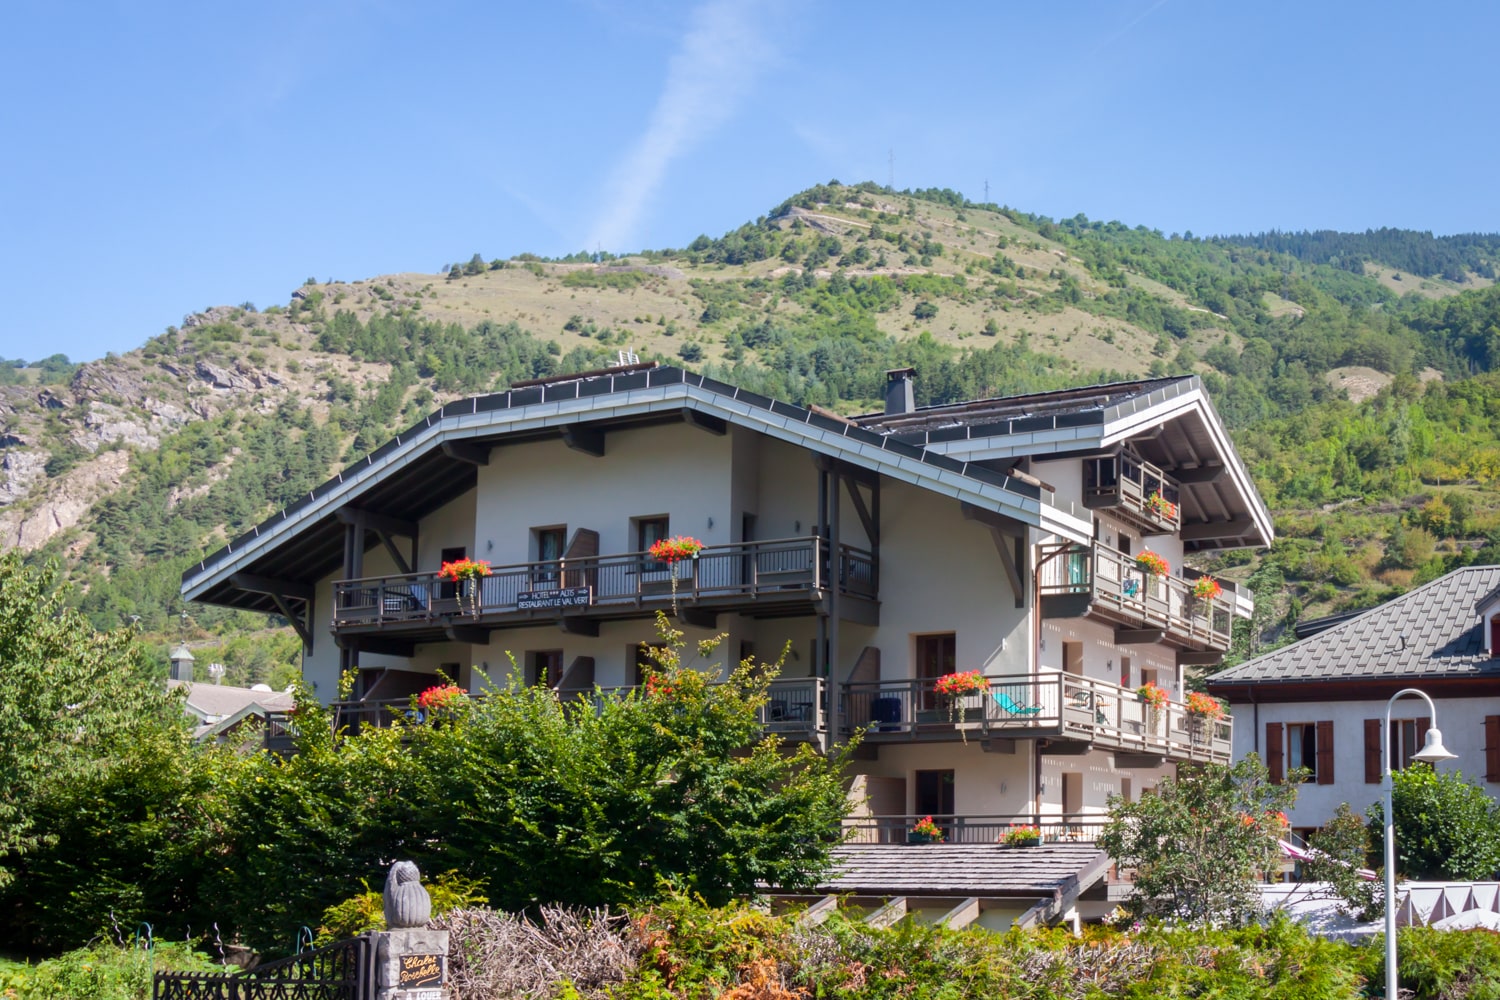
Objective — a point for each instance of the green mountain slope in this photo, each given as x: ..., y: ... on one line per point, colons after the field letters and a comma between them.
x: 127, y: 469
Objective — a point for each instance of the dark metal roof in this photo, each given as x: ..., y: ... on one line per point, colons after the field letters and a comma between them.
x: 1431, y: 632
x: 431, y: 478
x: 1011, y: 414
x: 965, y: 869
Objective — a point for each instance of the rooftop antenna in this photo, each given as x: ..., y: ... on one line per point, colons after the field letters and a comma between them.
x: 627, y: 357
x: 986, y: 190
x: 216, y: 671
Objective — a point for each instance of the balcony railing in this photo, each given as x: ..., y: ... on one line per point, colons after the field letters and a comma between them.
x: 1110, y: 584
x: 1054, y: 705
x: 613, y: 583
x: 794, y: 708
x: 1135, y: 490
x: 958, y: 829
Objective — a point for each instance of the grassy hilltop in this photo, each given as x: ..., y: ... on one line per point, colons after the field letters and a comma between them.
x: 1353, y: 369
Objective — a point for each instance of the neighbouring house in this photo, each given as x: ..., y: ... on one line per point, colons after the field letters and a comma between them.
x: 1036, y: 540
x: 221, y: 711
x: 1320, y: 703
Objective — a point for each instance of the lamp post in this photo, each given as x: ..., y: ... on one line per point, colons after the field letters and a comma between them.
x: 1431, y: 752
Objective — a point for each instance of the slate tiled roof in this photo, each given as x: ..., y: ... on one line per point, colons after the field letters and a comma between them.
x: 1444, y: 637
x: 965, y: 869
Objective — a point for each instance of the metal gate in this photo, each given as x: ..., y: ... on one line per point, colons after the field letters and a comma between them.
x: 341, y: 971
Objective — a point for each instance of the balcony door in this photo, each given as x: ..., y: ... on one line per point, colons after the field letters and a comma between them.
x: 936, y: 655
x: 449, y: 591
x: 934, y: 795
x: 550, y: 543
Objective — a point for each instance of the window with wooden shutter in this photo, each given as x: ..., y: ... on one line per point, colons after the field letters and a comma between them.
x: 1492, y: 748
x: 1325, y: 753
x: 1275, y: 763
x: 1372, y: 751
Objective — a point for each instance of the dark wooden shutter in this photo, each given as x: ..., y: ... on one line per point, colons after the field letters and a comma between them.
x: 1422, y: 726
x: 1492, y: 748
x: 1275, y: 762
x: 1372, y: 751
x: 1325, y: 753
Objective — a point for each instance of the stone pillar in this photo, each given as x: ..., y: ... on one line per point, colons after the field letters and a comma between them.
x: 411, y: 964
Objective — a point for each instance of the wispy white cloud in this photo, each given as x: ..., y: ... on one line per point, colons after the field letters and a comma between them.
x: 713, y: 69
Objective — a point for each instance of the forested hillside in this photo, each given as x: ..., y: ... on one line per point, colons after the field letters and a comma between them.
x: 1367, y: 415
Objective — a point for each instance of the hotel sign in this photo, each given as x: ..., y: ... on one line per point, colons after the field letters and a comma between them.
x: 565, y: 597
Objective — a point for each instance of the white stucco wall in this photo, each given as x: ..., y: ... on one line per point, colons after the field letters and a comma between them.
x: 1460, y: 719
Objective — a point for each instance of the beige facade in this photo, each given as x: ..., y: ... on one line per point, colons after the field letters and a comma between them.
x: 877, y: 563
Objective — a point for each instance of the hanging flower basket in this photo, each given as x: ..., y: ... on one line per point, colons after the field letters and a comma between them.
x: 671, y: 550
x: 925, y: 832
x: 466, y: 573
x: 1161, y: 507
x: 440, y: 700
x: 1152, y: 564
x: 1021, y: 836
x: 968, y: 682
x: 957, y: 688
x: 1206, y: 588
x: 1201, y: 706
x: 1153, y: 694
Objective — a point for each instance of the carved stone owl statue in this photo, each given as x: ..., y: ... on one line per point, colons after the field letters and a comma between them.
x: 406, y: 901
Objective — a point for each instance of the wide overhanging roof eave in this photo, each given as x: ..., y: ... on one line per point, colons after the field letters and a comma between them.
x: 469, y: 419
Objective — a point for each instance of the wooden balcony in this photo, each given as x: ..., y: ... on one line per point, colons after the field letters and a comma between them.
x: 1135, y: 491
x: 959, y: 829
x: 1075, y: 714
x: 794, y: 710
x: 787, y: 576
x: 1080, y: 581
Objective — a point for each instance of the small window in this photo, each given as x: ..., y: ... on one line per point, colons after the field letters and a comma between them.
x: 1302, y: 748
x: 1406, y: 740
x: 640, y: 662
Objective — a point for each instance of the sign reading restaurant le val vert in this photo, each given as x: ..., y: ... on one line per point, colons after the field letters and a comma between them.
x: 565, y: 597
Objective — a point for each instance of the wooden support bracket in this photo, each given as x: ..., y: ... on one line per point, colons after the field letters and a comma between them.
x: 588, y: 440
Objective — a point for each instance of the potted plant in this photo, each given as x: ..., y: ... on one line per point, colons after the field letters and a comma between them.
x: 1206, y: 588
x: 1155, y: 698
x: 465, y: 573
x: 1021, y: 836
x: 440, y: 701
x: 925, y: 832
x: 672, y: 551
x: 1151, y: 564
x: 957, y: 688
x: 1202, y: 712
x: 1161, y: 507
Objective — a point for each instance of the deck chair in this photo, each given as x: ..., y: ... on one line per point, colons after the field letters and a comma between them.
x: 1008, y: 704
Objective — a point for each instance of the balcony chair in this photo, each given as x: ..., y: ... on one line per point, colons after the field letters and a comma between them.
x: 1008, y: 705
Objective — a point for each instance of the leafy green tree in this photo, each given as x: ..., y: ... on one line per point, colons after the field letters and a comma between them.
x: 70, y: 697
x: 1201, y: 841
x: 1337, y: 853
x: 1446, y: 827
x: 539, y: 799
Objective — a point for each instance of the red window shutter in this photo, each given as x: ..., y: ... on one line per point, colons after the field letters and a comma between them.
x: 1275, y: 762
x: 1372, y: 751
x: 1492, y: 748
x: 1422, y: 726
x: 1325, y: 753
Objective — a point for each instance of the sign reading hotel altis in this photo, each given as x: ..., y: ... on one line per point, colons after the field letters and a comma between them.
x: 564, y: 597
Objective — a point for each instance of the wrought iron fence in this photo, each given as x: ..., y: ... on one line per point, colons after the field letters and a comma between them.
x: 341, y: 971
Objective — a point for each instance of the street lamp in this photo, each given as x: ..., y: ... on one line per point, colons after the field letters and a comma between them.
x: 1431, y: 752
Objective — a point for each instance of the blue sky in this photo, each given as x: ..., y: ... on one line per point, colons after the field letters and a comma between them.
x: 159, y: 158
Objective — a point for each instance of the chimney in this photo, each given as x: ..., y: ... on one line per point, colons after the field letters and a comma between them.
x: 899, y: 394
x: 182, y: 663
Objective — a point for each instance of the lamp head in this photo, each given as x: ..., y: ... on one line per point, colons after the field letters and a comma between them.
x: 1433, y: 751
